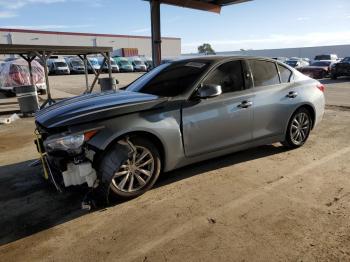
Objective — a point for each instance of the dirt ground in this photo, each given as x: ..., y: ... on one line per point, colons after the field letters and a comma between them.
x: 263, y: 204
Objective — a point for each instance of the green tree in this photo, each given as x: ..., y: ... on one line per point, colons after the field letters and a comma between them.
x: 206, y: 49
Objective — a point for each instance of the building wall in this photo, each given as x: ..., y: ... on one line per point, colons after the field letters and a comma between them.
x: 307, y: 52
x: 170, y: 46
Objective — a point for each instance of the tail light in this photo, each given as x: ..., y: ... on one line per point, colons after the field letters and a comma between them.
x: 321, y: 87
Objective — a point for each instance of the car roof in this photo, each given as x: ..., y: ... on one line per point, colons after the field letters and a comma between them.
x: 216, y: 58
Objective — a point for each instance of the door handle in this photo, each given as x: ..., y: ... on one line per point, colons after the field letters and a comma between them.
x: 292, y: 94
x: 245, y: 104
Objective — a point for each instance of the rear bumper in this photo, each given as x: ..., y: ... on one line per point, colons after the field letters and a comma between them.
x: 319, y: 105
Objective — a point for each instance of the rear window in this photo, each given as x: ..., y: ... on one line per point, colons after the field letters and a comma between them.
x: 264, y: 73
x: 346, y: 60
x: 285, y: 73
x: 322, y: 57
x: 321, y: 64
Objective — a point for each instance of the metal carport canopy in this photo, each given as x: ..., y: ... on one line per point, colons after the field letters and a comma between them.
x: 205, y: 5
x: 29, y: 52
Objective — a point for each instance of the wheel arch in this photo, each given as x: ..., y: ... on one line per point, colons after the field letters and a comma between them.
x: 312, y: 112
x: 309, y: 108
x: 144, y: 134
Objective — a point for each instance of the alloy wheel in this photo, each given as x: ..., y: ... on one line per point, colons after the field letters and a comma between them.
x: 300, y: 128
x: 136, y: 171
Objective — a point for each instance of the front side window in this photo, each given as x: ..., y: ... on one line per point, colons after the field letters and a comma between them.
x: 285, y: 73
x: 264, y: 73
x: 229, y: 76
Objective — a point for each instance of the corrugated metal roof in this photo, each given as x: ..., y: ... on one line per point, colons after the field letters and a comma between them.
x: 206, y: 5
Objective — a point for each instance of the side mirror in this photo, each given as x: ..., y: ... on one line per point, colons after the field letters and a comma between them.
x: 208, y: 91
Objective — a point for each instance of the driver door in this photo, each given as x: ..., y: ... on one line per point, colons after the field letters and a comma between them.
x: 213, y: 124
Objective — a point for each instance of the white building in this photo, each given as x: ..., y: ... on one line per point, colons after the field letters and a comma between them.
x: 171, y: 46
x: 307, y: 52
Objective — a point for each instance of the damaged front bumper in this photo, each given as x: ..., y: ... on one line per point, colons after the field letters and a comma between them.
x: 65, y: 169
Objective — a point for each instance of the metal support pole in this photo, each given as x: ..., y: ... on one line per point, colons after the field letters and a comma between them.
x: 108, y: 55
x: 29, y: 60
x: 84, y: 58
x: 97, y: 75
x: 156, y: 35
x: 92, y: 68
x: 44, y: 58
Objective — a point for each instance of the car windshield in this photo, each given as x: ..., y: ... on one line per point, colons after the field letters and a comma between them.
x: 320, y: 64
x: 137, y: 62
x: 77, y: 63
x: 346, y: 59
x: 123, y: 62
x: 60, y: 64
x: 169, y: 80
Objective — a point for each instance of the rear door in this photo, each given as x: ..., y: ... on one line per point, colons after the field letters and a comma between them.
x: 271, y: 102
x: 224, y: 121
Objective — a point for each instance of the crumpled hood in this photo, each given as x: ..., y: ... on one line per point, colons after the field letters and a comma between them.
x: 97, y: 106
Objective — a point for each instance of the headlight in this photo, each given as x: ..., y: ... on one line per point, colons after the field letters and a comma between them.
x: 66, y: 143
x: 70, y: 143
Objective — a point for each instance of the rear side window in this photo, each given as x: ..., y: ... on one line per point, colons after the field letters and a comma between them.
x: 285, y: 73
x: 264, y: 73
x: 229, y: 76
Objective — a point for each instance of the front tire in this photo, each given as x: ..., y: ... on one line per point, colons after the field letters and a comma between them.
x: 299, y: 128
x: 135, y: 175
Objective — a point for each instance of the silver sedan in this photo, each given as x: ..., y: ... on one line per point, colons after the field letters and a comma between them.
x: 177, y: 114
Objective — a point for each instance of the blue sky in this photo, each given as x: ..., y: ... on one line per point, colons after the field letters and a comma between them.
x: 259, y: 24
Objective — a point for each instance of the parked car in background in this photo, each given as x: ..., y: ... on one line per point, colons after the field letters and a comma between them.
x: 94, y: 63
x: 318, y: 69
x: 149, y: 64
x: 114, y: 65
x: 124, y: 64
x: 138, y: 64
x: 327, y: 57
x: 296, y: 62
x: 15, y: 73
x: 76, y: 65
x: 280, y: 59
x: 177, y: 114
x: 341, y: 68
x: 58, y: 66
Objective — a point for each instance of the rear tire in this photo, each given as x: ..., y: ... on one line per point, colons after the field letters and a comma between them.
x: 299, y: 128
x: 334, y: 76
x: 135, y: 175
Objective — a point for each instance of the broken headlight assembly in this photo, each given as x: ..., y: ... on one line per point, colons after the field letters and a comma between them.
x: 71, y: 144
